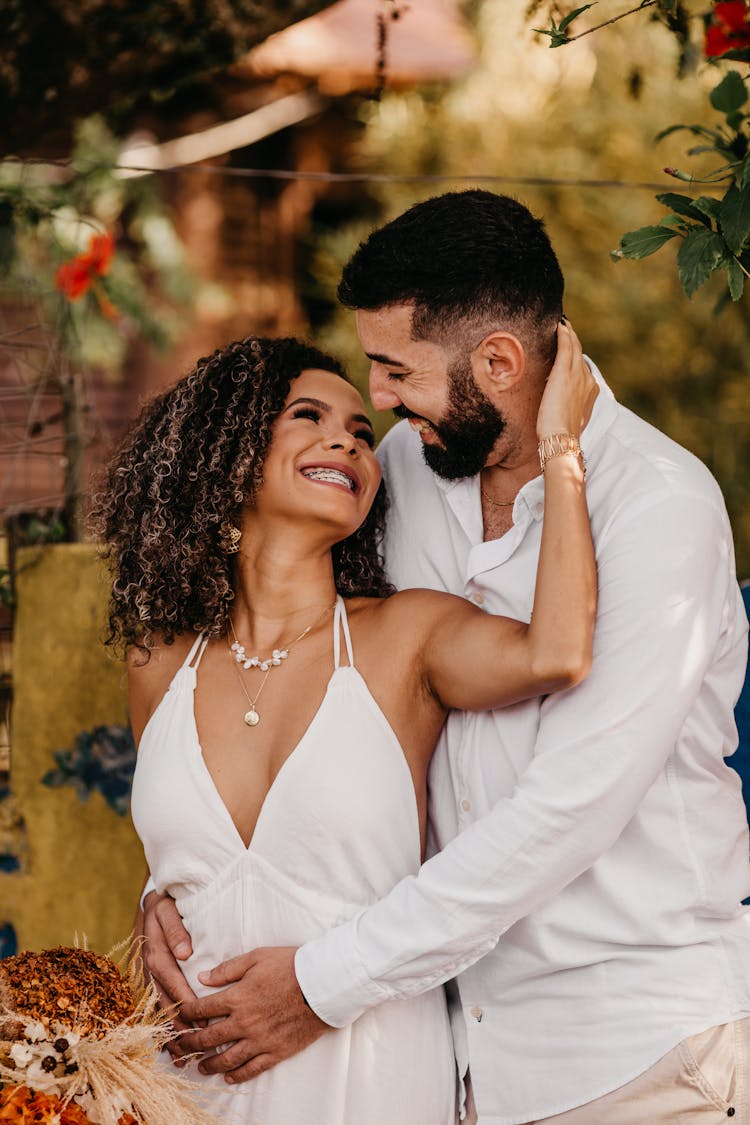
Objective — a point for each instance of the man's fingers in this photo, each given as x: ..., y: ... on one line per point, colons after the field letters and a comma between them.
x: 205, y: 1008
x: 251, y: 1069
x: 175, y: 934
x: 208, y: 1038
x: 175, y: 1046
x: 228, y: 971
x: 236, y: 1054
x: 235, y: 1065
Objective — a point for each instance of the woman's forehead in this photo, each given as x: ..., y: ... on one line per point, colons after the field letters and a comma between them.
x: 314, y: 382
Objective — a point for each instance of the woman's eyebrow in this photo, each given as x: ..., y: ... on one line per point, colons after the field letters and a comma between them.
x: 326, y: 407
x: 310, y: 402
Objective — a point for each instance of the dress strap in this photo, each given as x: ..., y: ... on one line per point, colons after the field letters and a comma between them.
x: 341, y: 622
x: 196, y: 651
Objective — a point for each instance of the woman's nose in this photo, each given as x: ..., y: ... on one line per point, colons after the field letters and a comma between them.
x: 342, y: 440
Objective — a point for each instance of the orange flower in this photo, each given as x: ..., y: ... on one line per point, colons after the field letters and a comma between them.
x: 75, y: 277
x: 23, y: 1106
x: 99, y: 255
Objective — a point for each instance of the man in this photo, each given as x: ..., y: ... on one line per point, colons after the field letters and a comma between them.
x: 594, y: 844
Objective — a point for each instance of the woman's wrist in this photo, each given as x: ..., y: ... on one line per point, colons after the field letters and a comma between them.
x: 561, y: 443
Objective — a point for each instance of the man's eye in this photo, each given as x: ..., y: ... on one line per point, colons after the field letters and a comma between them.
x: 307, y: 412
x: 396, y: 376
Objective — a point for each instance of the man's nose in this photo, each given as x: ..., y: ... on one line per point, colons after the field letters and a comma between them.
x: 383, y: 395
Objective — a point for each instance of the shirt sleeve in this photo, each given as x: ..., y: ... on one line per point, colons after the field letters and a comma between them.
x: 668, y: 612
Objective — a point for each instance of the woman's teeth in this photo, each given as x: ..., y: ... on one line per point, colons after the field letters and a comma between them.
x: 331, y: 476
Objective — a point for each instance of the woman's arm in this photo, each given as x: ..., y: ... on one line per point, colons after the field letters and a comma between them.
x: 474, y: 660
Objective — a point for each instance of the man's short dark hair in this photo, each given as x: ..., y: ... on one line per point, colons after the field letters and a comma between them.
x: 462, y: 258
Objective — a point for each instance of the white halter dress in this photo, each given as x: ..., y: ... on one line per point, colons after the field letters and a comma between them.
x: 337, y: 830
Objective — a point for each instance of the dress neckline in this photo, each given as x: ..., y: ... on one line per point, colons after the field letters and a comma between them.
x: 191, y: 665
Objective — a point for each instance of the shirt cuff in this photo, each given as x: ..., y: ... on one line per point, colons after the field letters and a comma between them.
x: 150, y: 886
x: 333, y: 981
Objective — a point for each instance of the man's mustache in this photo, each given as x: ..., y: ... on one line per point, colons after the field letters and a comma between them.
x: 402, y: 412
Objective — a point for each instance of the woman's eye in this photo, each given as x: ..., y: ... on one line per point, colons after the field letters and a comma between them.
x: 307, y: 412
x: 367, y: 436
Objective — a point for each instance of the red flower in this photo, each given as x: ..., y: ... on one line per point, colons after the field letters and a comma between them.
x: 74, y: 278
x: 99, y: 255
x: 729, y: 28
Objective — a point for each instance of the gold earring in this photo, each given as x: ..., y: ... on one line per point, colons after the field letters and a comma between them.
x: 234, y: 535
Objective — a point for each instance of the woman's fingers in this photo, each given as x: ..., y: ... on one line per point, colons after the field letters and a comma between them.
x: 173, y: 928
x: 163, y: 932
x: 570, y: 385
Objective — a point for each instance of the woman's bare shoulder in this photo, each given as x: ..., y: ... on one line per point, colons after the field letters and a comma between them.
x: 149, y: 668
x: 416, y: 610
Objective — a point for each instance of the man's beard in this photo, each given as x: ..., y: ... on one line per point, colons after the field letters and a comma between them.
x: 468, y: 430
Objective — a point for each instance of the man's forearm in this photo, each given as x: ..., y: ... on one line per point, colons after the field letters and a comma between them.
x: 596, y: 757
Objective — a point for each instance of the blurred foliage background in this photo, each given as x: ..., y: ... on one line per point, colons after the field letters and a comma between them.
x: 569, y: 131
x: 588, y: 112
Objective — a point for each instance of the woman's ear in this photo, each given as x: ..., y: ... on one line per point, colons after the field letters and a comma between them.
x: 498, y: 362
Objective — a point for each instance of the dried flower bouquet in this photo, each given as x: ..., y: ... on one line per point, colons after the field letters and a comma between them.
x: 80, y: 1043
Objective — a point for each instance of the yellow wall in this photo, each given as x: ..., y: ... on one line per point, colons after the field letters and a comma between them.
x: 83, y: 866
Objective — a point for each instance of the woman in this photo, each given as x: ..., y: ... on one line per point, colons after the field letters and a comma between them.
x: 287, y: 706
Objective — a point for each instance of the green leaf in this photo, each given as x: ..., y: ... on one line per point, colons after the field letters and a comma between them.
x: 735, y: 217
x: 737, y: 54
x: 556, y: 38
x: 683, y: 205
x: 697, y: 130
x: 678, y: 221
x: 567, y: 20
x: 707, y: 205
x: 736, y: 279
x: 557, y: 32
x: 699, y: 255
x: 730, y: 94
x: 743, y: 176
x: 644, y: 241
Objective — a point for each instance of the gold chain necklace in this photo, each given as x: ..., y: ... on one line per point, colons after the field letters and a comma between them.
x: 497, y: 503
x: 251, y: 716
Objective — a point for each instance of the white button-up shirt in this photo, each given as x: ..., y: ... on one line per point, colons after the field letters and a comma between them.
x: 594, y: 842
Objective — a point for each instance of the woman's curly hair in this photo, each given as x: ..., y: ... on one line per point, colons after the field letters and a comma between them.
x: 182, y: 474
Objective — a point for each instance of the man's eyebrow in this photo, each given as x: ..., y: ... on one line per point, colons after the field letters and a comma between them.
x: 385, y: 359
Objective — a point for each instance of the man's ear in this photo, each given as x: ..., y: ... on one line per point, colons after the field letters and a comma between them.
x: 498, y: 362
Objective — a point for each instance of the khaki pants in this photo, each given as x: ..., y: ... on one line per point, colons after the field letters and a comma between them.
x: 703, y: 1081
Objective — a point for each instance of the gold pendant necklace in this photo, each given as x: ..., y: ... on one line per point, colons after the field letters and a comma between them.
x: 251, y: 716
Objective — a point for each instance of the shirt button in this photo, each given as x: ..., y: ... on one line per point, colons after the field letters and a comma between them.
x: 539, y: 509
x: 478, y: 598
x: 477, y: 1013
x: 466, y: 805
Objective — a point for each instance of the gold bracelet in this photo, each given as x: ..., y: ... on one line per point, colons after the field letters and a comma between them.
x: 560, y: 445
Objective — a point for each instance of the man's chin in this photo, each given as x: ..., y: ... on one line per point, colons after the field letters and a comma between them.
x: 447, y: 465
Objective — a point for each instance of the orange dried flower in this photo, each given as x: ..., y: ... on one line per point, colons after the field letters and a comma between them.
x: 76, y: 985
x: 22, y: 1106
